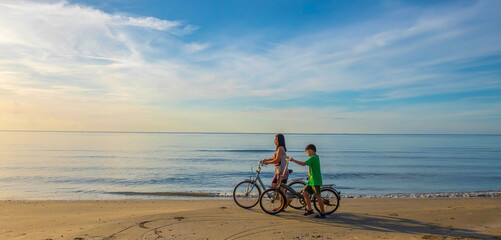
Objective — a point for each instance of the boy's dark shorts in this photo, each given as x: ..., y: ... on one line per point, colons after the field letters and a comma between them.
x: 312, y: 190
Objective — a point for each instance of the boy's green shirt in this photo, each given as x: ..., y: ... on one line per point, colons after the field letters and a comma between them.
x: 315, y: 176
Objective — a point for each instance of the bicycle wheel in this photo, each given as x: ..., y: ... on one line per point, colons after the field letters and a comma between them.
x: 330, y: 200
x: 272, y: 201
x: 246, y: 194
x: 296, y: 202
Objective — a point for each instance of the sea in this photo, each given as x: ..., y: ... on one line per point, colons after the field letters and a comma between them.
x: 156, y: 165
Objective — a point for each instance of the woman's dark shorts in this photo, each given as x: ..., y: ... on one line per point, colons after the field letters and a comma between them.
x: 312, y: 190
x: 277, y: 176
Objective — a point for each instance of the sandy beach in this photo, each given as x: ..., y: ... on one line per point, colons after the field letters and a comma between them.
x: 475, y: 218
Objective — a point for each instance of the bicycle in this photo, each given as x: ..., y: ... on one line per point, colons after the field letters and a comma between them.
x: 246, y: 193
x: 272, y: 200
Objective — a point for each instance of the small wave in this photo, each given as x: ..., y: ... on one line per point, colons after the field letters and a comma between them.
x: 484, y: 194
x: 88, y: 156
x: 369, y: 151
x: 178, y: 194
x: 204, y: 160
x: 244, y: 150
x: 370, y: 175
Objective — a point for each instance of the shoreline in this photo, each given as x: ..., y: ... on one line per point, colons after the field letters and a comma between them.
x: 129, y: 195
x: 444, y: 218
x: 224, y: 196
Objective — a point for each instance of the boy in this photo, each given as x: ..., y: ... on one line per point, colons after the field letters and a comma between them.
x: 314, y: 182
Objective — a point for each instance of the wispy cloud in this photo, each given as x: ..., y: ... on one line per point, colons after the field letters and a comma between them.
x: 45, y: 45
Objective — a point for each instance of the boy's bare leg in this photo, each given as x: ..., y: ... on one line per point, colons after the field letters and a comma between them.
x: 321, y: 205
x: 307, y: 200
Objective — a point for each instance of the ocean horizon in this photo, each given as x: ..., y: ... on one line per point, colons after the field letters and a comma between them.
x: 289, y: 133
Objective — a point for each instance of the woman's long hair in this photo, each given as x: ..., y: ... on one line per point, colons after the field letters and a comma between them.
x: 281, y: 141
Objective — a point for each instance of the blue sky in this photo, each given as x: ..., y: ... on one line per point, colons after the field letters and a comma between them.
x: 251, y: 66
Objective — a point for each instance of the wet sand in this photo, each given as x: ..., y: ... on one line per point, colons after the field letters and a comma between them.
x: 461, y: 218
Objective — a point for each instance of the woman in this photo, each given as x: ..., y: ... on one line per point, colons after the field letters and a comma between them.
x: 279, y: 159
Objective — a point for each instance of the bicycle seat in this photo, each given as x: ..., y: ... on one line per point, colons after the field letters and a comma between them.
x: 290, y: 171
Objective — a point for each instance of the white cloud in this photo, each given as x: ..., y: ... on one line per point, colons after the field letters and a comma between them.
x: 55, y: 44
x: 195, y: 47
x: 147, y: 22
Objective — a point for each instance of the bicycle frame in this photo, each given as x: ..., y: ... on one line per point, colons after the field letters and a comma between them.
x: 257, y: 180
x: 290, y: 189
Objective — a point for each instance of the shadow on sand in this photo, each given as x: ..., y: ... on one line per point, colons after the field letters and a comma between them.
x: 390, y: 224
